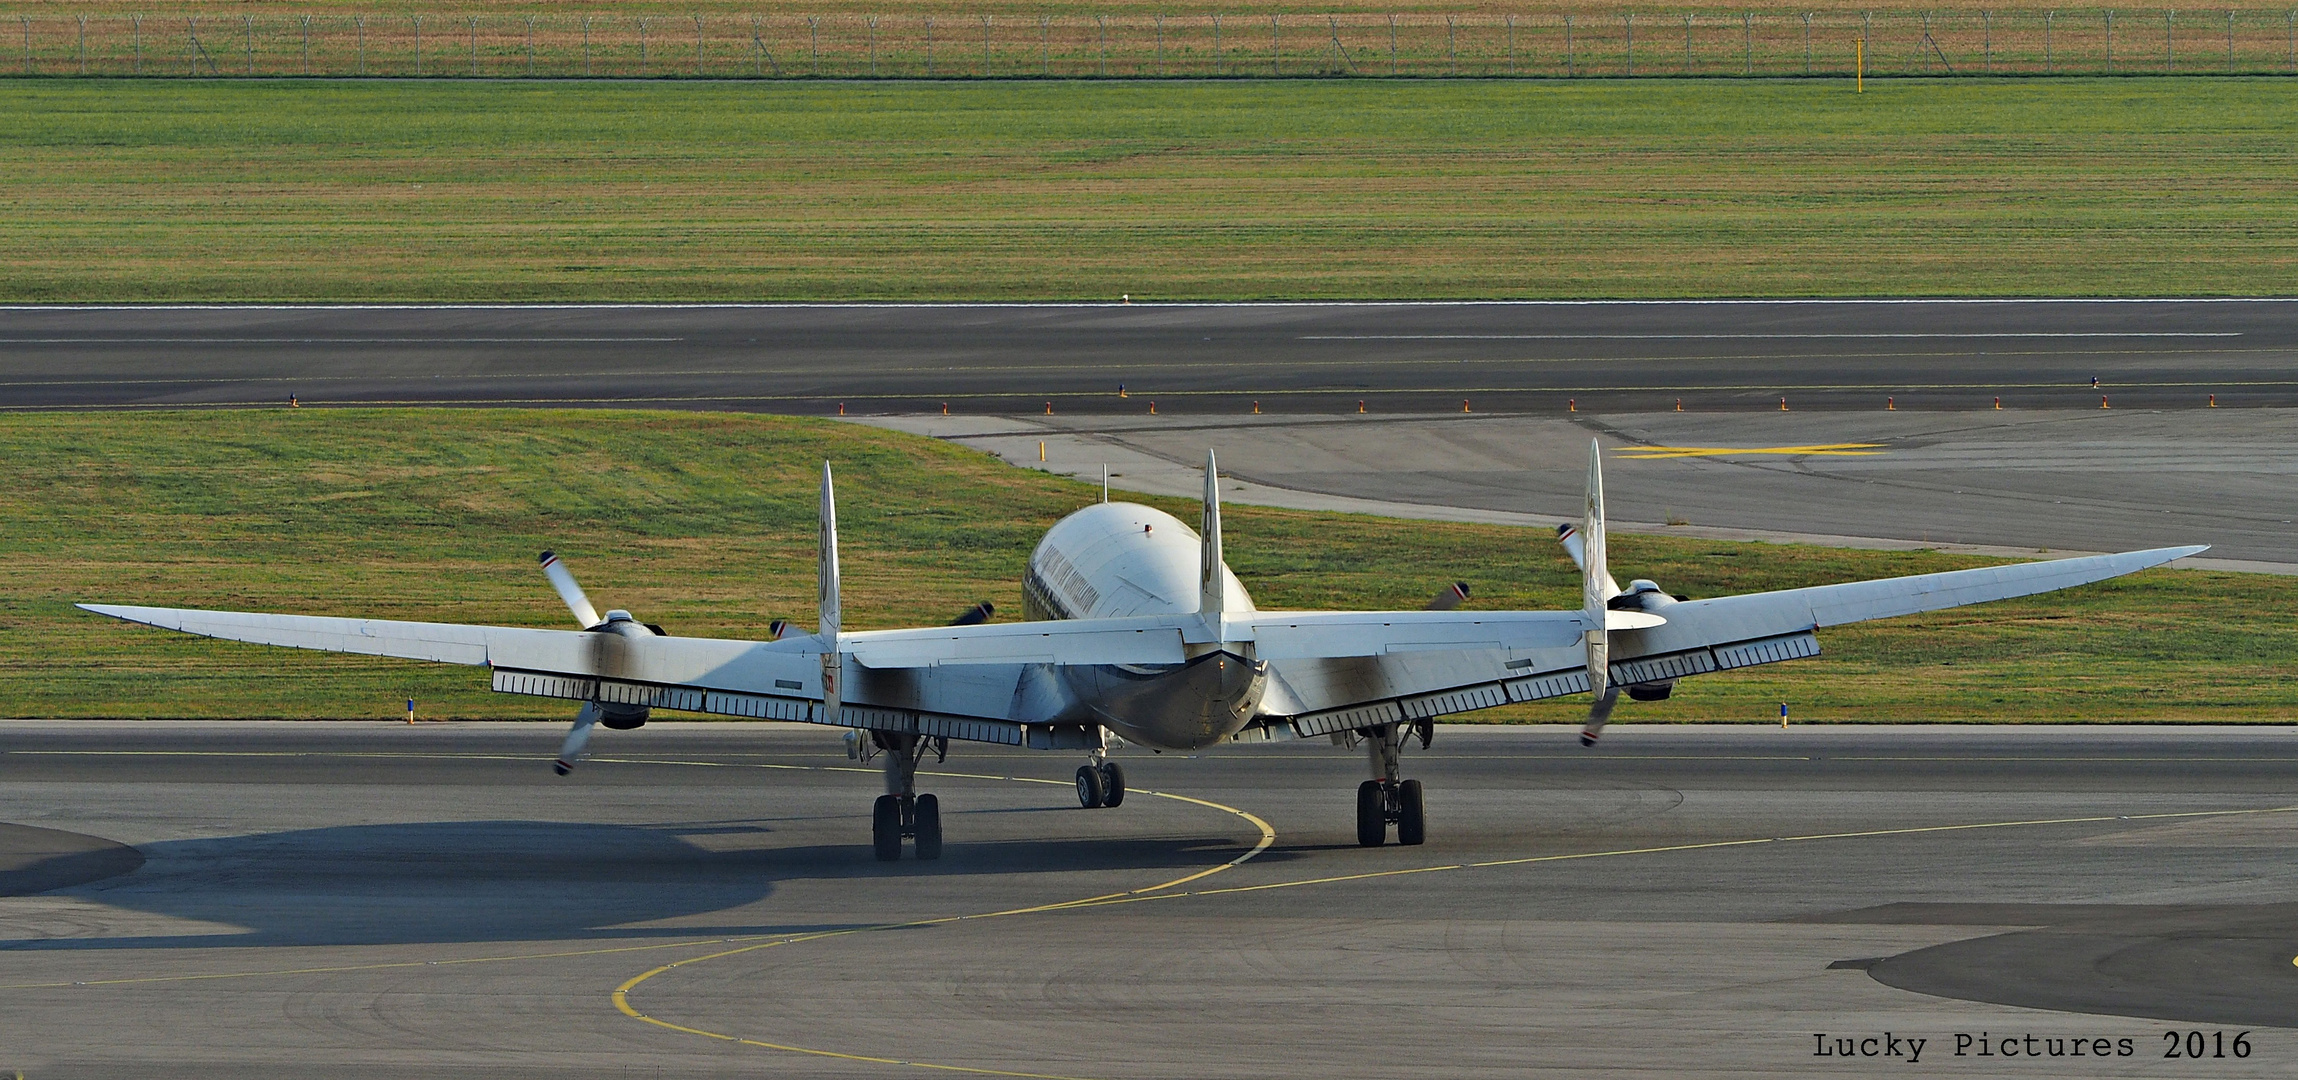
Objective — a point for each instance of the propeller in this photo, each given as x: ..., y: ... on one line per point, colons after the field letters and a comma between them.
x: 618, y: 623
x: 975, y: 615
x: 578, y: 739
x: 570, y: 592
x: 1450, y: 598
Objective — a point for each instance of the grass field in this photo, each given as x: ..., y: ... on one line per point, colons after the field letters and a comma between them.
x: 1131, y: 39
x: 705, y: 523
x: 153, y: 191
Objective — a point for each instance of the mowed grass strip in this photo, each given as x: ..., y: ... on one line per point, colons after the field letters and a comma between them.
x: 256, y: 191
x: 706, y: 523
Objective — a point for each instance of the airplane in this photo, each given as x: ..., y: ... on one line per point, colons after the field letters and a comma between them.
x: 1136, y: 628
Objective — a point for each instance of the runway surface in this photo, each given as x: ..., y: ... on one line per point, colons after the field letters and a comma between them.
x: 1294, y: 358
x: 376, y: 900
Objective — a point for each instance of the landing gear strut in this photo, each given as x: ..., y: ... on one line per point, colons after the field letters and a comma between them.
x: 1385, y: 800
x: 901, y: 812
x: 1100, y: 783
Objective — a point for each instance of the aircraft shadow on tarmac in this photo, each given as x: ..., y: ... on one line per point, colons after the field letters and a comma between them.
x: 2222, y: 964
x: 487, y: 881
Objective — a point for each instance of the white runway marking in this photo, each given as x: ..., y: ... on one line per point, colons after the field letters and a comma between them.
x: 1755, y: 337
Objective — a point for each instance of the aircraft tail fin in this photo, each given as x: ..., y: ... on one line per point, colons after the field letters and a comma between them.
x: 830, y: 606
x: 1212, y: 584
x: 1596, y: 590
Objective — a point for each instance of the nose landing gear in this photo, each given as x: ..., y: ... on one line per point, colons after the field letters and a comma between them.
x: 1386, y: 800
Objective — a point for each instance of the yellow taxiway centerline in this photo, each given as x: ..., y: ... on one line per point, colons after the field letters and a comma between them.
x: 1660, y: 453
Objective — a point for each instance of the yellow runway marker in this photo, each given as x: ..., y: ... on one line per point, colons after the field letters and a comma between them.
x: 1656, y: 453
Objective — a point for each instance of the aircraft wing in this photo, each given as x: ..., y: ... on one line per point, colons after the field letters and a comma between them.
x: 1320, y: 695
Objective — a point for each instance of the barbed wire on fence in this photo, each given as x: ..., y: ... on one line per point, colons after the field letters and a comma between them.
x: 1708, y: 44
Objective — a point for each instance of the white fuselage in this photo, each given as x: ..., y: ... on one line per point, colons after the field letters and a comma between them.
x: 1116, y: 559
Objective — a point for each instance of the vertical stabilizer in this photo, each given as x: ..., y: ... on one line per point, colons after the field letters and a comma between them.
x: 1596, y: 584
x: 1595, y: 588
x: 828, y: 570
x: 1212, y: 584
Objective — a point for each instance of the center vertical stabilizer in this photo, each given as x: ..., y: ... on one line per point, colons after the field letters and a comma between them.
x: 1212, y: 584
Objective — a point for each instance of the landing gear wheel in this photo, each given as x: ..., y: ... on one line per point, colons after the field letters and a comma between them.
x: 1090, y: 790
x: 1371, y: 815
x: 1411, y: 828
x: 886, y: 828
x: 928, y: 827
x: 1112, y: 784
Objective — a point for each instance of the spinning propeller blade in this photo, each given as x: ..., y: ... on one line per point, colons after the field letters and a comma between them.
x: 1450, y: 598
x: 570, y: 592
x: 578, y: 739
x: 975, y: 615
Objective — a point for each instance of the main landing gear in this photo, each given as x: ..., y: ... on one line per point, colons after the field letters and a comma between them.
x: 1100, y: 783
x: 1385, y: 800
x: 901, y: 813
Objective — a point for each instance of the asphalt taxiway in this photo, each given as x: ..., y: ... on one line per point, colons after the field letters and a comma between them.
x: 379, y: 900
x: 1209, y: 358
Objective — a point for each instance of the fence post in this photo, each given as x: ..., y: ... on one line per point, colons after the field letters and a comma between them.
x: 586, y: 68
x: 1807, y: 43
x: 1988, y: 19
x: 1569, y: 59
x: 1160, y: 43
x: 929, y: 46
x: 1747, y: 31
x: 2230, y: 41
x: 27, y: 21
x: 1511, y: 44
x: 83, y: 44
x: 1687, y: 44
x: 1392, y: 68
x: 1217, y: 64
x: 2169, y: 49
x: 474, y: 46
x: 814, y: 40
x: 985, y: 46
x: 2110, y: 40
x: 698, y: 46
x: 873, y: 46
x: 307, y: 45
x: 1045, y: 42
x: 530, y: 46
x: 642, y: 51
x: 1103, y: 22
x: 1274, y: 48
x: 418, y: 46
x: 247, y: 22
x: 360, y: 23
x: 1631, y: 21
x: 2050, y: 63
x: 136, y: 36
x: 1451, y: 54
x: 191, y: 28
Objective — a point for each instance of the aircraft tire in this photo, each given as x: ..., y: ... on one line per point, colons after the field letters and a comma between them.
x: 886, y: 828
x: 1112, y: 784
x: 1371, y: 816
x: 1090, y: 791
x: 929, y: 827
x: 1411, y: 827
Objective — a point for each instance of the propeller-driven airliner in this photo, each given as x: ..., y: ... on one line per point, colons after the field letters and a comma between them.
x: 1137, y: 628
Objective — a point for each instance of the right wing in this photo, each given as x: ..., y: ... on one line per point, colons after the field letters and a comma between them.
x: 1318, y: 696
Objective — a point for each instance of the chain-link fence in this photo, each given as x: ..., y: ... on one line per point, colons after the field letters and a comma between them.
x: 959, y: 46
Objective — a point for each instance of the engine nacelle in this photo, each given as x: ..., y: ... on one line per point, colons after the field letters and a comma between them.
x: 623, y: 717
x: 1651, y: 691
